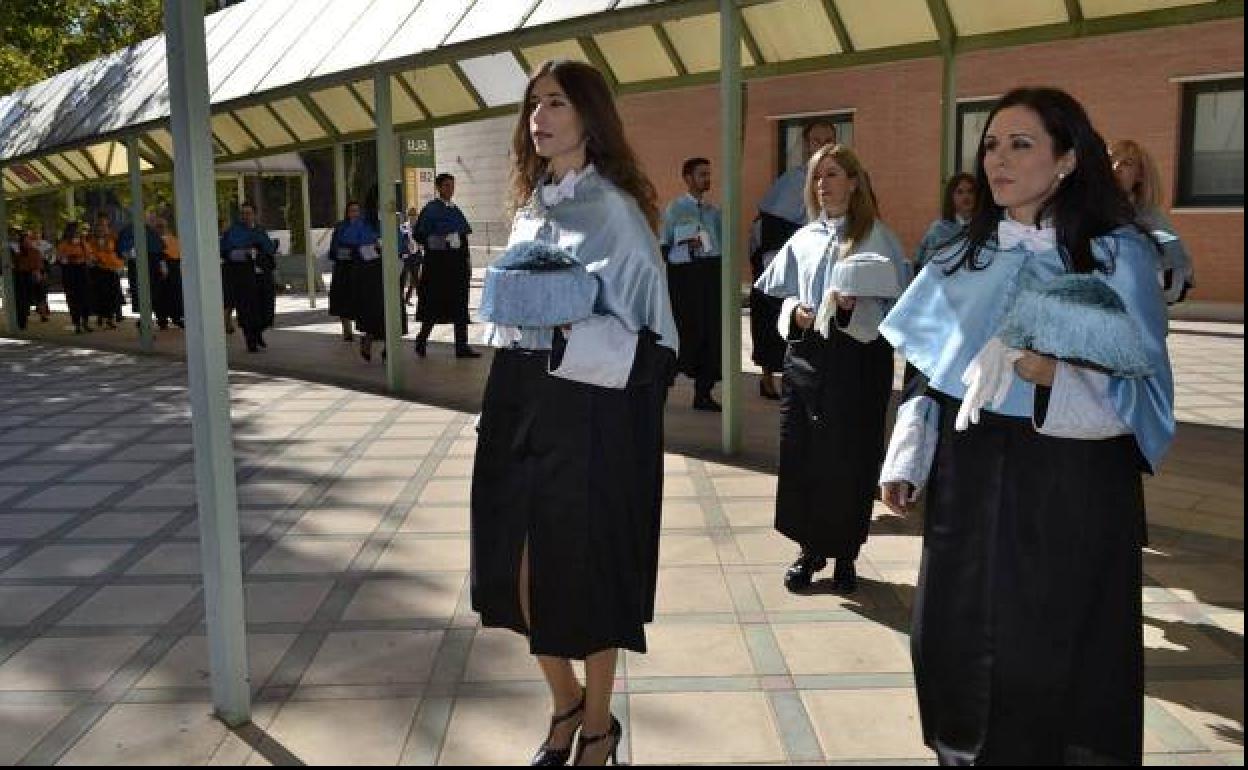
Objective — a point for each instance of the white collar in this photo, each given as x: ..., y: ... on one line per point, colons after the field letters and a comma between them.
x: 564, y: 189
x: 1011, y: 233
x: 836, y: 225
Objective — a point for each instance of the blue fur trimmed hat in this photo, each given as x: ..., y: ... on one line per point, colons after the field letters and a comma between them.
x: 1081, y: 319
x: 537, y: 284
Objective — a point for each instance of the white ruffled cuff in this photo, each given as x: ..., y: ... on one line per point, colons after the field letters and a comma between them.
x: 784, y: 324
x: 500, y: 335
x: 912, y: 448
x: 1080, y: 406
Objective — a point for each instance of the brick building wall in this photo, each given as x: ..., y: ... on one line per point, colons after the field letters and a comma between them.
x: 1125, y: 82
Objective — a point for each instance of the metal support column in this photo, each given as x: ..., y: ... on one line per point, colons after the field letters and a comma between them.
x: 241, y: 190
x: 730, y: 174
x: 340, y: 181
x: 387, y: 171
x: 138, y: 226
x: 71, y: 210
x: 948, y: 114
x: 310, y: 256
x: 216, y: 495
x: 6, y: 264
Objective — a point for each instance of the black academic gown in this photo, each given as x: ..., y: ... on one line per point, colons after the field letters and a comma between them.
x: 832, y: 440
x: 769, y: 347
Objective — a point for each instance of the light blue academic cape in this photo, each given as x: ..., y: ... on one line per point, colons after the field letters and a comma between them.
x: 943, y: 320
x: 683, y: 216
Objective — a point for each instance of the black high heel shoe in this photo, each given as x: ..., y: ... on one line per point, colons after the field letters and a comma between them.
x: 547, y: 756
x: 614, y: 735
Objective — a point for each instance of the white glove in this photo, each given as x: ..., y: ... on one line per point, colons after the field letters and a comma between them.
x: 987, y: 379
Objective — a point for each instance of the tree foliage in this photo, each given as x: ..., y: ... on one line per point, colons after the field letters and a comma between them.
x: 39, y: 38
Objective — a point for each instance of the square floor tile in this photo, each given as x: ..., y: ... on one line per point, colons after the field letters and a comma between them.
x: 704, y: 728
x: 284, y: 601
x: 297, y: 554
x: 499, y: 655
x: 692, y: 649
x: 683, y: 515
x: 755, y: 485
x: 433, y: 595
x: 769, y: 585
x: 114, y: 471
x: 494, y: 730
x: 169, y: 559
x: 28, y: 473
x: 161, y: 496
x: 411, y: 553
x: 338, y: 521
x: 867, y: 724
x: 23, y: 725
x: 21, y: 604
x: 766, y: 547
x: 343, y: 732
x: 67, y: 561
x: 692, y: 589
x: 27, y: 526
x: 750, y: 513
x: 163, y: 734
x: 67, y: 664
x: 423, y: 518
x: 444, y: 492
x: 346, y: 492
x: 687, y: 550
x: 131, y: 606
x: 374, y: 657
x: 836, y: 648
x: 132, y: 525
x: 64, y: 497
x: 186, y: 663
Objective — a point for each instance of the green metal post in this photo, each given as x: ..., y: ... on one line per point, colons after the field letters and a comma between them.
x: 305, y: 196
x: 6, y: 264
x: 948, y: 114
x: 387, y: 170
x: 730, y: 174
x: 71, y: 210
x: 340, y: 180
x: 207, y: 365
x: 138, y: 226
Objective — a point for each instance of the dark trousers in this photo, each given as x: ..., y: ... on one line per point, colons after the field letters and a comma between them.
x: 25, y: 289
x: 77, y: 281
x: 461, y: 334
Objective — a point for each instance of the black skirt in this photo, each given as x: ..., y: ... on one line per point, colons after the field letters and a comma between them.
x: 1026, y: 637
x: 77, y: 281
x: 769, y: 346
x: 341, y: 293
x: 832, y: 441
x: 576, y: 471
x: 695, y: 292
x: 244, y: 291
x: 368, y: 299
x: 442, y: 295
x: 170, y: 293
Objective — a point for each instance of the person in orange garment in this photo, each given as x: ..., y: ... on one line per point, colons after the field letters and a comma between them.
x: 106, y: 297
x: 171, y: 305
x: 74, y: 253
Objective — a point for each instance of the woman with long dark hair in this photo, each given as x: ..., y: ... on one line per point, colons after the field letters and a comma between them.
x: 567, y: 482
x: 1026, y: 634
x: 957, y: 206
x: 838, y: 373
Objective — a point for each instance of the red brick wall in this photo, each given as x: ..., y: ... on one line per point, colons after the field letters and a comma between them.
x: 1123, y: 80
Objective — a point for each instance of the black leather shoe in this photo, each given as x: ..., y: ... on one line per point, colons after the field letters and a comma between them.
x: 800, y: 573
x: 260, y: 340
x: 466, y: 353
x: 706, y: 404
x: 548, y: 757
x: 845, y: 576
x: 421, y: 348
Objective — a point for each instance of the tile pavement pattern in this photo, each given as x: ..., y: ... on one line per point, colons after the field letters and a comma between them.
x: 363, y: 648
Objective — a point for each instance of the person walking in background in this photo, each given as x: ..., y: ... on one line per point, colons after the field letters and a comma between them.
x: 106, y: 270
x: 957, y: 205
x: 1137, y: 175
x: 442, y: 231
x: 171, y: 300
x: 246, y: 248
x: 690, y: 238
x: 835, y: 277
x: 74, y: 254
x: 411, y: 254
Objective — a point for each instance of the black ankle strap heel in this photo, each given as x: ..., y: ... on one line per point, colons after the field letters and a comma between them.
x: 614, y: 734
x: 547, y: 756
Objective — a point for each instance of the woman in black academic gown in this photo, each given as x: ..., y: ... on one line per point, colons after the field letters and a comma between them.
x: 567, y: 482
x: 837, y: 374
x: 1026, y: 635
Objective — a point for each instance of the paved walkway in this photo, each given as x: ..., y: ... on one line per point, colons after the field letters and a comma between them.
x: 363, y: 647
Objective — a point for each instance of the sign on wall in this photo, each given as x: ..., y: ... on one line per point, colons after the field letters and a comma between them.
x: 419, y: 168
